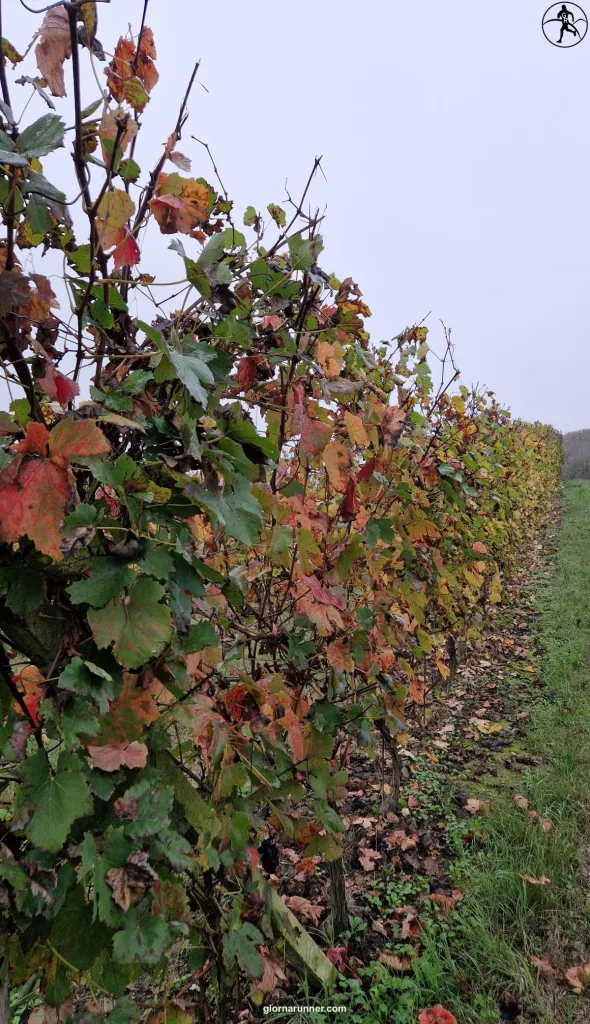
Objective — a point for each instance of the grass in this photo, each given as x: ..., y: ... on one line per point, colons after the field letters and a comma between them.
x: 504, y: 921
x: 479, y: 959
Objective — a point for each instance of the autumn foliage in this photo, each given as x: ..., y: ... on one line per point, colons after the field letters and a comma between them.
x: 255, y: 536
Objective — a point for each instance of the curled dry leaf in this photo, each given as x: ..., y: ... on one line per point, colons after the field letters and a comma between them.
x: 367, y: 858
x: 543, y: 965
x: 53, y: 49
x: 400, y: 964
x: 477, y: 806
x: 543, y: 880
x: 299, y: 905
x: 577, y: 978
x: 520, y: 801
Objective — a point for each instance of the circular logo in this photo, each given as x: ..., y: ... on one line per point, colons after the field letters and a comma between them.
x: 564, y: 25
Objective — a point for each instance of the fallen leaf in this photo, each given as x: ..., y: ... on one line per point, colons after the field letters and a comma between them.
x: 436, y: 1015
x: 368, y: 857
x: 520, y: 801
x: 299, y: 905
x: 577, y: 978
x: 401, y: 964
x: 543, y: 880
x: 477, y: 806
x: 543, y: 965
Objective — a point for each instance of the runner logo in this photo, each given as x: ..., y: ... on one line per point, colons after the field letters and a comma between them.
x: 565, y: 25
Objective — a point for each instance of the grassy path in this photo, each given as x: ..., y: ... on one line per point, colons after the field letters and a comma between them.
x: 505, y: 921
x: 502, y: 953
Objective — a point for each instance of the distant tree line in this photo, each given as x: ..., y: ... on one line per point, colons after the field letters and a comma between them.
x: 576, y: 455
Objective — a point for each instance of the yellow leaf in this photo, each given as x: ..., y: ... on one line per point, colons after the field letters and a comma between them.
x: 356, y: 430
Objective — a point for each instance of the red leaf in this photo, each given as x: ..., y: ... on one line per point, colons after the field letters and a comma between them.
x: 436, y: 1015
x: 66, y: 389
x: 315, y: 436
x: 366, y: 472
x: 292, y: 725
x: 127, y: 253
x: 234, y: 700
x: 349, y: 504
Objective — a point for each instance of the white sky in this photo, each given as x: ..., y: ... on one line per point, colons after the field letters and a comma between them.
x: 455, y: 146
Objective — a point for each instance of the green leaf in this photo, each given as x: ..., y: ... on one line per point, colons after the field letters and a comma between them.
x: 38, y: 217
x: 138, y: 626
x: 150, y: 806
x: 198, y: 637
x: 281, y: 542
x: 25, y: 589
x: 157, y: 560
x: 144, y: 938
x: 193, y: 372
x: 302, y: 252
x: 101, y: 314
x: 250, y: 216
x: 125, y: 1011
x: 7, y: 156
x: 10, y: 52
x: 107, y: 581
x: 379, y: 529
x: 217, y: 245
x: 129, y: 170
x: 366, y: 617
x: 80, y: 259
x: 58, y: 801
x: 88, y: 680
x: 241, y: 944
x: 74, y: 921
x: 94, y: 866
x: 238, y: 832
x: 78, y: 719
x: 278, y: 214
x: 83, y: 515
x: 136, y: 381
x: 40, y: 186
x: 42, y: 137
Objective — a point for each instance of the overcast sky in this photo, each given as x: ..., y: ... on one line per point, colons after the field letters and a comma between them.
x: 455, y: 147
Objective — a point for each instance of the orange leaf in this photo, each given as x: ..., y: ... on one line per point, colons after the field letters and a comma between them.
x: 33, y: 503
x: 133, y: 709
x: 543, y: 880
x: 337, y: 462
x: 180, y: 204
x: 436, y: 1015
x: 32, y: 684
x: 330, y: 358
x: 124, y: 68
